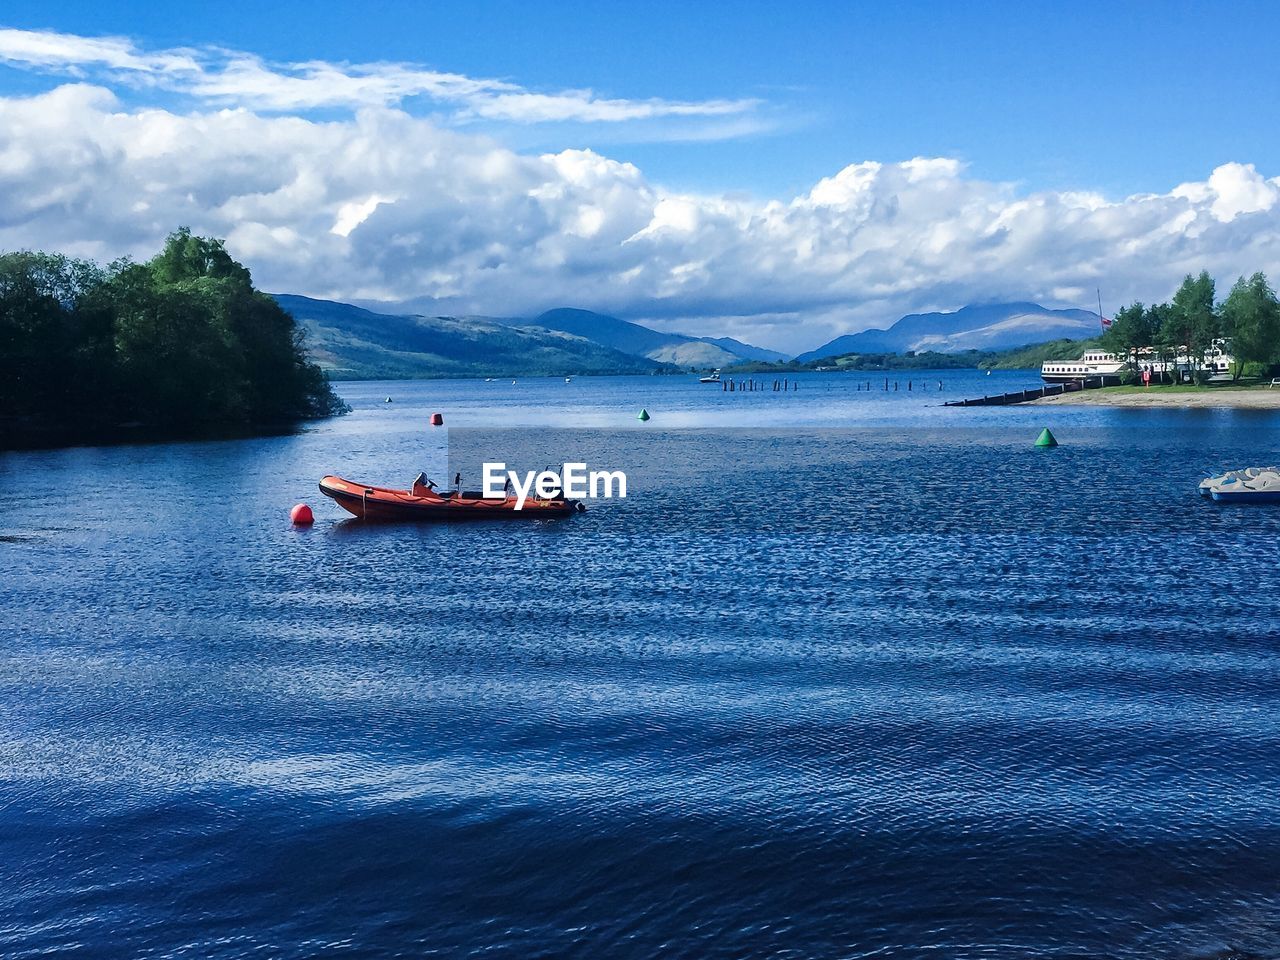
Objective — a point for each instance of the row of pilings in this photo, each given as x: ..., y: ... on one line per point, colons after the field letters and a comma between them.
x: 786, y: 385
x: 912, y: 385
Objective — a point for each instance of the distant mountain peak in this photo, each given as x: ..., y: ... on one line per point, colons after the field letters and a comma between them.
x: 680, y: 349
x: 977, y: 326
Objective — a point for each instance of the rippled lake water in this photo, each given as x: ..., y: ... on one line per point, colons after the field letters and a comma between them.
x: 847, y: 674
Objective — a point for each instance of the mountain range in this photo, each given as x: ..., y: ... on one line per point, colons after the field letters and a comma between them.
x: 995, y: 326
x: 674, y: 348
x: 351, y: 342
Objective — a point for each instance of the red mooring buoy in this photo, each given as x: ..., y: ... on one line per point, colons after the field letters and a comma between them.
x: 437, y: 420
x: 301, y: 515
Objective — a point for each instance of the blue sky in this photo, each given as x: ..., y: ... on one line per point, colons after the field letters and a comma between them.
x: 781, y: 173
x: 1119, y: 97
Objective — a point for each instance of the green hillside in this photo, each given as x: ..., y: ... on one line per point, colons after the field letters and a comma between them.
x: 1031, y: 357
x: 695, y: 354
x: 351, y: 343
x: 674, y: 348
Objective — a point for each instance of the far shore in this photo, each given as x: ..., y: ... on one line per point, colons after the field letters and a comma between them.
x: 1254, y: 399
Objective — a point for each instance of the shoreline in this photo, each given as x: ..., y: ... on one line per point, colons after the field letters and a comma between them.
x: 26, y: 438
x: 1206, y: 400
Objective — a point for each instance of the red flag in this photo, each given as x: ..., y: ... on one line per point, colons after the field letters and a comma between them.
x: 1106, y: 324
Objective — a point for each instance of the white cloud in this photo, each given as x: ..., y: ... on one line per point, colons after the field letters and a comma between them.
x: 351, y: 215
x: 45, y: 48
x: 384, y: 205
x: 1237, y: 188
x: 234, y: 78
x: 585, y: 105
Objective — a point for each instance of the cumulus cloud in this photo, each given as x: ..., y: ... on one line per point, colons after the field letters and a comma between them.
x: 384, y: 205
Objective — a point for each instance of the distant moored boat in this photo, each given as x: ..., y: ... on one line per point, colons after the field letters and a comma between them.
x: 1095, y: 364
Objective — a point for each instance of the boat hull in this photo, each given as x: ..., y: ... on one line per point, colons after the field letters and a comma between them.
x: 398, y: 506
x: 1106, y: 379
x: 1246, y: 496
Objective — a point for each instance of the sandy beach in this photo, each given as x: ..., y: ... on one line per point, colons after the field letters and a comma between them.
x: 1242, y: 399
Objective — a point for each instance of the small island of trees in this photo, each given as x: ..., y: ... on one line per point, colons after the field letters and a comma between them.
x: 179, y: 346
x: 1189, y: 325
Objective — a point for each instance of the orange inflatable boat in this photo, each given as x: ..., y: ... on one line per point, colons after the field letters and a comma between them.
x: 423, y: 502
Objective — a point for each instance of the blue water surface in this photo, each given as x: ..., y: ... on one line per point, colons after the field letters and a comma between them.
x: 847, y: 674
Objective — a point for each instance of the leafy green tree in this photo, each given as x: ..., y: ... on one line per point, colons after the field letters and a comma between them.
x: 187, y: 257
x: 1130, y: 331
x: 177, y: 365
x: 1251, y: 316
x: 182, y: 342
x: 1192, y: 321
x: 54, y: 340
x: 1156, y: 324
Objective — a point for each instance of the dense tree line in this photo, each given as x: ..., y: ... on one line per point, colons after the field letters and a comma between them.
x: 1249, y: 318
x: 180, y: 344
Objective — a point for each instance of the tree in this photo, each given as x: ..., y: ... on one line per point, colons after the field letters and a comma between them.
x: 1130, y: 331
x: 199, y: 343
x: 52, y: 336
x: 182, y: 342
x: 187, y: 257
x: 1192, y: 322
x: 177, y: 365
x: 1251, y: 315
x: 1156, y: 322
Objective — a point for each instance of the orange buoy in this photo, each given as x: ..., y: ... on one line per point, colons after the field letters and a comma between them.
x: 301, y: 515
x: 437, y: 420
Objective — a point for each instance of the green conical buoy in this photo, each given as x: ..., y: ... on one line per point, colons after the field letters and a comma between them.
x: 643, y: 414
x: 1046, y: 439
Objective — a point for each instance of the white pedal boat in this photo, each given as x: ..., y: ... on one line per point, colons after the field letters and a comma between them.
x: 1252, y: 485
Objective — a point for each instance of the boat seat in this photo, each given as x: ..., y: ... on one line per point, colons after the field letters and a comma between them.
x: 421, y: 486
